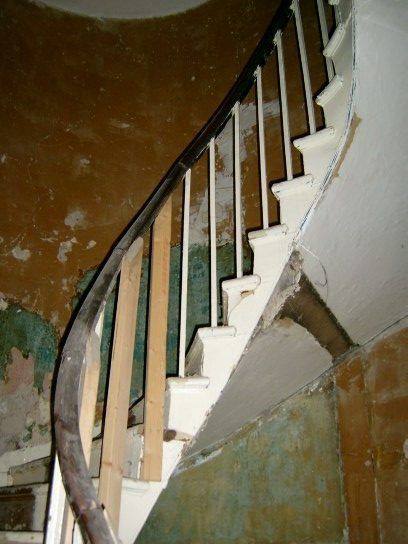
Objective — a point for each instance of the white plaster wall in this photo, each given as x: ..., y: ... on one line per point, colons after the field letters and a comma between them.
x: 280, y: 360
x: 355, y: 245
x: 123, y: 9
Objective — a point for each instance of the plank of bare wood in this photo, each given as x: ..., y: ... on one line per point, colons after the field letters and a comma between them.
x: 117, y: 404
x: 88, y: 405
x: 156, y: 347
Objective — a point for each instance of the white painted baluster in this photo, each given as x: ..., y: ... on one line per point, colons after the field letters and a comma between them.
x: 325, y: 37
x: 213, y: 240
x: 337, y: 14
x: 262, y: 159
x: 237, y: 193
x: 284, y: 106
x: 305, y: 67
x: 184, y: 274
x: 57, y: 509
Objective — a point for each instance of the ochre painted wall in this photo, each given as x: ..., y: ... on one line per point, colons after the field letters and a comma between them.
x: 92, y: 114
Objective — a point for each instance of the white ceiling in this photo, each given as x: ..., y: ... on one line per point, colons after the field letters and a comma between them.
x: 123, y: 9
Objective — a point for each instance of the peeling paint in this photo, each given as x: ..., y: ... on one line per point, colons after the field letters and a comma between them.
x: 75, y: 219
x: 224, y: 184
x: 269, y: 483
x: 21, y: 254
x: 90, y: 244
x: 64, y: 248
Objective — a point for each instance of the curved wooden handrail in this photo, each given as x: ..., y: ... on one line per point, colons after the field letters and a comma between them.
x: 81, y: 493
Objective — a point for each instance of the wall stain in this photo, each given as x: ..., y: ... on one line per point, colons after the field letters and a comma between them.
x: 268, y: 485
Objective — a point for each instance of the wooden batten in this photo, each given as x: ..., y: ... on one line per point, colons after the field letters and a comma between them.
x: 117, y: 404
x: 88, y: 405
x: 156, y: 347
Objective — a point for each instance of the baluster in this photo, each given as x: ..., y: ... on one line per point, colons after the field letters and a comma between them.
x: 60, y: 524
x: 337, y: 14
x: 58, y: 508
x: 117, y: 403
x: 325, y: 37
x: 90, y: 397
x: 305, y: 67
x: 262, y: 158
x: 213, y: 240
x: 184, y: 274
x: 284, y: 106
x: 156, y: 347
x: 237, y: 193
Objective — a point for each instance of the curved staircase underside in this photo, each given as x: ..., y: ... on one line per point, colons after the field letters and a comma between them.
x: 256, y: 358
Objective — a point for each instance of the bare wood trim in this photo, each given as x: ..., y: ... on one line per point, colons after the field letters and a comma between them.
x: 113, y: 446
x: 156, y: 347
x: 88, y: 406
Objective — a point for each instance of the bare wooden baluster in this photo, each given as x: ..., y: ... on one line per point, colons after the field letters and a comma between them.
x: 117, y: 404
x: 87, y: 417
x: 156, y: 347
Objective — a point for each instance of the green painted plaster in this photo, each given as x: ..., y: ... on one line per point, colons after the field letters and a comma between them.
x: 197, y: 308
x: 277, y: 482
x: 31, y: 334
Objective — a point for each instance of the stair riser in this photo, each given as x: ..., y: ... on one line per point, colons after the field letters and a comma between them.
x: 294, y: 207
x: 269, y: 257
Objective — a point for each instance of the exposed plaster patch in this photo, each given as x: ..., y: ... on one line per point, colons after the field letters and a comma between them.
x: 119, y: 124
x: 91, y: 244
x: 405, y: 448
x: 64, y: 248
x: 3, y: 304
x: 54, y: 317
x: 224, y: 184
x: 21, y: 254
x: 25, y: 413
x: 3, y: 158
x: 75, y: 219
x: 49, y: 239
x: 81, y: 165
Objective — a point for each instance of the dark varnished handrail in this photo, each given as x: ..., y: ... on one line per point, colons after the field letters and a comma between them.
x: 77, y: 481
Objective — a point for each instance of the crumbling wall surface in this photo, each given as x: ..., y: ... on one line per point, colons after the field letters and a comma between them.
x: 28, y: 350
x: 373, y: 408
x: 278, y: 481
x: 330, y: 464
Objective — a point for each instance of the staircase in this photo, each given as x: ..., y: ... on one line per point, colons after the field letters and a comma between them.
x: 177, y: 407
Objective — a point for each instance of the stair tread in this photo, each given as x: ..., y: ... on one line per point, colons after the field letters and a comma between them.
x: 330, y: 91
x: 216, y: 332
x: 310, y: 141
x: 187, y: 383
x: 238, y: 284
x: 277, y: 231
x: 335, y: 41
x: 292, y: 186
